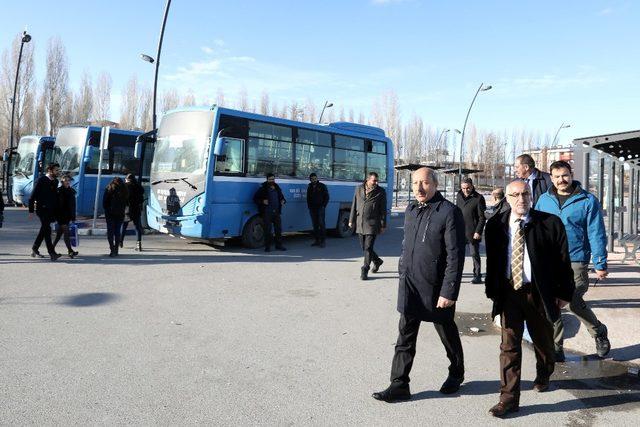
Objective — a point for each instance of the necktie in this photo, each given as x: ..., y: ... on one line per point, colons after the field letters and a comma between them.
x: 517, y: 256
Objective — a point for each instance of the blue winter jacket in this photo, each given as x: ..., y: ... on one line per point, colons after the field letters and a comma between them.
x: 581, y: 215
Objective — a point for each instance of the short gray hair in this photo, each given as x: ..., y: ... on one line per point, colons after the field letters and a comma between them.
x: 430, y: 173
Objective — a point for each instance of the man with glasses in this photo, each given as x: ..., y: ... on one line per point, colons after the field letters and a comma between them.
x: 369, y: 217
x: 529, y: 278
x: 581, y: 214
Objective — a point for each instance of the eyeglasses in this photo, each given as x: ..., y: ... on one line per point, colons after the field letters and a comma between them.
x: 524, y: 194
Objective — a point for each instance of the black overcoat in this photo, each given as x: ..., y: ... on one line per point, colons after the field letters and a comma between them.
x: 432, y: 259
x: 540, y: 185
x: 66, y: 209
x: 546, y: 242
x: 472, y: 208
x: 368, y: 211
x: 263, y: 193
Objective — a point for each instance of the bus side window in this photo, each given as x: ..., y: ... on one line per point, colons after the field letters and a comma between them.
x: 232, y: 160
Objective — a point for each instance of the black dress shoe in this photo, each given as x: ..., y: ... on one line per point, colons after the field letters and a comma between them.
x: 376, y: 266
x: 451, y: 385
x: 477, y: 280
x: 54, y: 256
x: 281, y: 248
x: 541, y: 385
x: 503, y: 408
x: 316, y: 243
x: 364, y: 273
x: 559, y: 355
x: 393, y: 393
x: 267, y: 249
x: 36, y: 254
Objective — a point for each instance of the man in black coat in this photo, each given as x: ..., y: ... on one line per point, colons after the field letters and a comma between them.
x: 270, y: 199
x: 430, y: 270
x: 472, y: 205
x: 369, y: 217
x: 44, y: 200
x: 539, y: 182
x: 529, y: 278
x: 317, y: 200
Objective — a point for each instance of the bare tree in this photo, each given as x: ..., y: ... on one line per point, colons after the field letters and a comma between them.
x: 352, y: 116
x: 220, y: 101
x: 84, y: 99
x: 243, y: 100
x: 145, y: 109
x: 24, y: 96
x: 264, y: 103
x: 68, y: 112
x: 56, y: 83
x: 102, y: 94
x: 295, y: 111
x: 361, y: 119
x: 189, y: 99
x: 41, y: 114
x: 413, y: 139
x: 310, y: 111
x: 130, y: 104
x: 169, y: 101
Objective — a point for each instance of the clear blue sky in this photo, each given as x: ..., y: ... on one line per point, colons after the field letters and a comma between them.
x: 549, y: 61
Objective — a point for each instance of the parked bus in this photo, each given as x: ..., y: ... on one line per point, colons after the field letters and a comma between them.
x: 28, y: 163
x: 77, y: 151
x: 215, y: 159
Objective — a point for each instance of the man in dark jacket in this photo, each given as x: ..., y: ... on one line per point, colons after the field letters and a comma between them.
x: 369, y: 217
x: 539, y: 182
x: 529, y: 278
x: 500, y: 204
x: 317, y: 199
x: 430, y: 270
x: 270, y: 199
x: 472, y: 206
x: 44, y: 200
x: 65, y: 214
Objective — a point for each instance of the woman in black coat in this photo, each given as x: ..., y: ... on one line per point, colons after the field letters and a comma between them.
x: 115, y: 202
x: 134, y: 213
x: 65, y: 214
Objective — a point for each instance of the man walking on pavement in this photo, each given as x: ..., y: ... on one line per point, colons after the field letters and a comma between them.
x: 44, y: 201
x: 500, y: 203
x: 270, y: 200
x: 369, y: 216
x: 472, y: 206
x: 581, y: 215
x: 529, y: 278
x: 539, y: 182
x: 317, y: 200
x: 430, y: 268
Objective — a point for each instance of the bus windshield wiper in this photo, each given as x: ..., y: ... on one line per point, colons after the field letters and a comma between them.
x: 193, y: 187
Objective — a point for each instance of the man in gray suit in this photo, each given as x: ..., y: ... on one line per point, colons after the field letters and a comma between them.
x: 369, y: 217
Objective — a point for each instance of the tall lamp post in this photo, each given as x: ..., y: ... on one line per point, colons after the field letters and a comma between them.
x: 157, y: 62
x: 438, y: 143
x: 481, y: 88
x: 26, y: 38
x: 562, y: 126
x: 327, y: 104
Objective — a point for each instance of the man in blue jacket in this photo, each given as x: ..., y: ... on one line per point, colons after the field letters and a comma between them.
x: 581, y: 215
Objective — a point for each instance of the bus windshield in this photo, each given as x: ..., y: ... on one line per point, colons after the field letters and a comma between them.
x: 26, y: 158
x: 181, y: 151
x: 69, y: 146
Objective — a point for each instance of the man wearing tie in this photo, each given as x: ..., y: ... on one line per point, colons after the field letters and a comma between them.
x: 529, y: 278
x: 539, y: 182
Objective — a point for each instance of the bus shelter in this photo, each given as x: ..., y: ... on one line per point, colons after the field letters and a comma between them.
x: 451, y: 174
x: 410, y: 168
x: 609, y: 167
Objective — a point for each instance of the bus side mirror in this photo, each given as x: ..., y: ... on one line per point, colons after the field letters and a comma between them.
x: 219, y: 147
x: 88, y: 153
x: 40, y: 156
x: 137, y: 151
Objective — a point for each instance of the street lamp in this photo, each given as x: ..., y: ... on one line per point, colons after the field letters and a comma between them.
x: 327, y: 104
x: 481, y: 88
x: 26, y: 38
x: 562, y: 126
x: 150, y: 60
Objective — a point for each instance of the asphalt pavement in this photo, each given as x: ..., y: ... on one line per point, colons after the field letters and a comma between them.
x: 184, y: 333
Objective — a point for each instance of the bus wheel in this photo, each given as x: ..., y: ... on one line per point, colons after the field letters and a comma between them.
x: 253, y: 233
x: 343, y: 230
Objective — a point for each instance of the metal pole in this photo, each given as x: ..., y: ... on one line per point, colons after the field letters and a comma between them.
x: 322, y: 113
x: 464, y: 128
x: 104, y: 141
x: 155, y: 78
x: 25, y: 39
x: 562, y: 126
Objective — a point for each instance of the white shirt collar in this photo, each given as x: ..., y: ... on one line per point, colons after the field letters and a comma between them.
x: 533, y: 176
x: 513, y: 219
